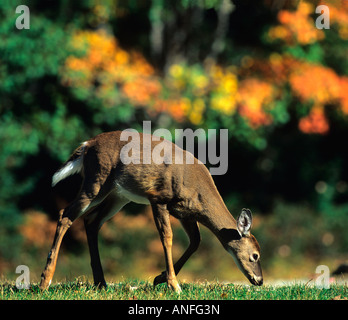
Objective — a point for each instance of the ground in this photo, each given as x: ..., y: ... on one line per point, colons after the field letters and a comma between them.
x: 143, y: 290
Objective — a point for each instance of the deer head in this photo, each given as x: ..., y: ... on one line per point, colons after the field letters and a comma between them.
x: 244, y: 248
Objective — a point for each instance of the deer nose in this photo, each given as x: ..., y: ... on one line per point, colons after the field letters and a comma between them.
x: 257, y: 280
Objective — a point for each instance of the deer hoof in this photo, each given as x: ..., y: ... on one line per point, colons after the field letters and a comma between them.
x: 45, y: 283
x: 174, y: 285
x: 162, y: 278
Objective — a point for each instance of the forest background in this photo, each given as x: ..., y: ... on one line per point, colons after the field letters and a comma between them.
x: 261, y: 69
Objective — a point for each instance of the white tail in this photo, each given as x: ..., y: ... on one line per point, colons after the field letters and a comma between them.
x: 185, y: 191
x: 71, y: 166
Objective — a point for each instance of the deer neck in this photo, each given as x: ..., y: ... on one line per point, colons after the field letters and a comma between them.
x: 219, y: 220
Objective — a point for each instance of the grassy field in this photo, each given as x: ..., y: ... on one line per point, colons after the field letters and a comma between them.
x: 143, y: 290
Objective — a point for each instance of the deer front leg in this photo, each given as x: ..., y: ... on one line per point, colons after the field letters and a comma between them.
x: 192, y: 230
x: 161, y: 216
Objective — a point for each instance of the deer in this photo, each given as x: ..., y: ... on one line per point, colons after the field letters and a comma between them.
x: 183, y: 190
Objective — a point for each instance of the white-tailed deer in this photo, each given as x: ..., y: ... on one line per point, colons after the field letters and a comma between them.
x: 185, y: 191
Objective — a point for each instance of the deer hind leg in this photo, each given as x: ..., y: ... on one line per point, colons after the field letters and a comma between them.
x: 192, y: 230
x: 89, y: 191
x: 63, y: 225
x: 161, y: 216
x: 93, y: 222
x: 66, y: 218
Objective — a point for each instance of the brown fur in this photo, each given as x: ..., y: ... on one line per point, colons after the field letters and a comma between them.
x: 186, y: 191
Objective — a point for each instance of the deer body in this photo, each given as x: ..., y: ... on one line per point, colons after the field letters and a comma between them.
x: 185, y: 191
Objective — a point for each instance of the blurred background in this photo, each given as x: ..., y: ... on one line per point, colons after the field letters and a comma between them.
x: 261, y: 69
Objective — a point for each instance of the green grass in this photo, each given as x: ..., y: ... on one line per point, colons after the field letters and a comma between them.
x: 143, y: 290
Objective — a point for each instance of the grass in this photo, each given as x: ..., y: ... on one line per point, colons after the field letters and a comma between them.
x: 143, y: 290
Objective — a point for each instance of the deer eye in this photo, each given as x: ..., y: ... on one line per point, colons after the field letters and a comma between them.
x: 254, y: 257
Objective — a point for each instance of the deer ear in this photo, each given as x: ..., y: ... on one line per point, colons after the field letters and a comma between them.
x: 244, y: 222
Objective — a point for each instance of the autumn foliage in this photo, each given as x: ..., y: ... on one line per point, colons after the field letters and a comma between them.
x: 186, y: 92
